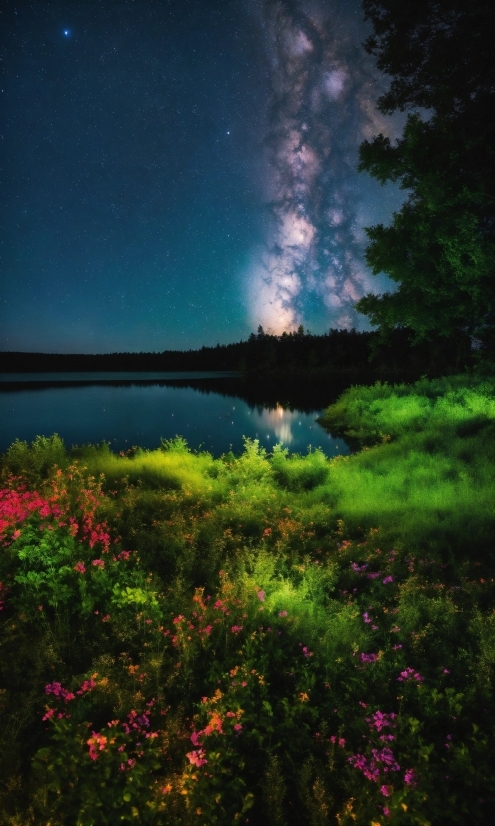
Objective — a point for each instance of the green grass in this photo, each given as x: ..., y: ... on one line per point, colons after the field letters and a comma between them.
x: 284, y: 595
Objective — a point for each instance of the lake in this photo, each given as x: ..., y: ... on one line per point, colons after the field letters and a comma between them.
x: 212, y: 411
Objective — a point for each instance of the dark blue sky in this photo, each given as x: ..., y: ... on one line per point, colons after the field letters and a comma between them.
x: 175, y: 172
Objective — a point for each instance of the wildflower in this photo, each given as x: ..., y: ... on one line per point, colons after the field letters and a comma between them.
x: 196, y: 758
x: 379, y: 720
x: 410, y: 778
x: 387, y: 580
x: 303, y: 697
x: 236, y: 628
x: 49, y: 713
x: 396, y: 647
x: 261, y: 596
x: 237, y: 727
x: 59, y: 691
x: 96, y: 743
x: 98, y: 563
x: 369, y: 658
x: 386, y: 811
x: 366, y: 617
x: 385, y: 790
x: 87, y: 685
x: 409, y: 674
x: 79, y: 567
x: 282, y: 613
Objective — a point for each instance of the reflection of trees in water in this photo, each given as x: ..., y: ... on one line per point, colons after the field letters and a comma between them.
x: 261, y: 394
x: 272, y: 394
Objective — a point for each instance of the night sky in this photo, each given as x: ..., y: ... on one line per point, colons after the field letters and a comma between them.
x: 176, y: 172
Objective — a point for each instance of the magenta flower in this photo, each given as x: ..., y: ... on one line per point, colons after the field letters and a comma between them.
x: 59, y: 691
x: 197, y: 758
x: 410, y: 778
x: 79, y: 567
x: 261, y: 596
x: 387, y: 580
x: 410, y: 674
x: 379, y: 720
x: 385, y: 791
x: 282, y: 613
x: 98, y: 563
x: 236, y: 628
x: 369, y: 658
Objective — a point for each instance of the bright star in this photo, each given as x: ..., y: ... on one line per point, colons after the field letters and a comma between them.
x: 66, y: 32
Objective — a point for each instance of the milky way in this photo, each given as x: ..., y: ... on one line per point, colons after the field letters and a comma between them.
x: 324, y: 89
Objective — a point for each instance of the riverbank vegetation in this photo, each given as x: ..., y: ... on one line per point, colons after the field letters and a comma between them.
x: 263, y: 638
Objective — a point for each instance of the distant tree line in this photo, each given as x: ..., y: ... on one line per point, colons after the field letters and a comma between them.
x: 338, y: 351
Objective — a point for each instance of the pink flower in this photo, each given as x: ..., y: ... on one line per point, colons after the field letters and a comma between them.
x: 96, y: 743
x: 236, y: 628
x: 98, y: 563
x: 387, y: 580
x: 237, y: 727
x: 385, y: 791
x: 410, y: 674
x: 410, y: 778
x: 282, y: 613
x: 196, y: 758
x: 369, y: 658
x: 79, y: 567
x: 379, y: 720
x: 261, y: 596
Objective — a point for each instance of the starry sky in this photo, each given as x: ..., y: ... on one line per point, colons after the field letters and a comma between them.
x: 176, y: 172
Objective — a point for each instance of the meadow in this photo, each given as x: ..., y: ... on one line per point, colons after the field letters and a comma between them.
x: 261, y: 638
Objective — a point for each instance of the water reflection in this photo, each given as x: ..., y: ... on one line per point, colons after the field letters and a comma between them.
x: 126, y: 414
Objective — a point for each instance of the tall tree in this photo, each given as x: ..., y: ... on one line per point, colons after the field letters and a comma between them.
x: 440, y: 247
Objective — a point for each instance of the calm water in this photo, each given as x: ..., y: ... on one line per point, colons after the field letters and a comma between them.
x: 212, y: 411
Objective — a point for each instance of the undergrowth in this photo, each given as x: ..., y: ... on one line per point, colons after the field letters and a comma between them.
x: 263, y: 638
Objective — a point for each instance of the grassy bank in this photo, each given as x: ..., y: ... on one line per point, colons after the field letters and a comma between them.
x: 269, y: 639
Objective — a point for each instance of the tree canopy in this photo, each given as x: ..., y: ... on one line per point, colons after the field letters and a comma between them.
x: 440, y: 245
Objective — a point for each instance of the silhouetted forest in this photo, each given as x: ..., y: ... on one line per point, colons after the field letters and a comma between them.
x: 339, y: 352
